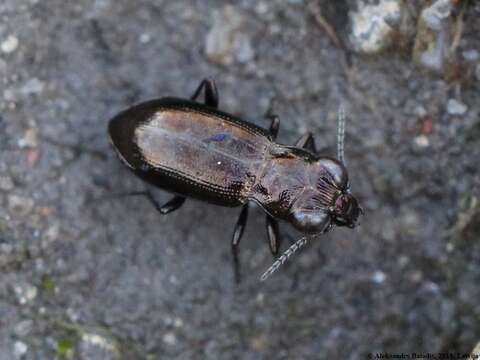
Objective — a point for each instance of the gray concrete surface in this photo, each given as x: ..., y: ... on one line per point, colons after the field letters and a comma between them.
x: 87, y: 279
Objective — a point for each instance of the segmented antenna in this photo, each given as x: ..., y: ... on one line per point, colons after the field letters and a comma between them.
x: 284, y: 257
x: 341, y: 134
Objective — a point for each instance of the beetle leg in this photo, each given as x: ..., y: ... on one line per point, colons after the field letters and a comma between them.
x: 307, y: 142
x: 237, y: 236
x: 210, y: 94
x: 171, y: 205
x: 273, y: 237
x: 274, y: 121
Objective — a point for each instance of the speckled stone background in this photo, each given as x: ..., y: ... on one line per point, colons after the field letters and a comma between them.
x: 86, y: 278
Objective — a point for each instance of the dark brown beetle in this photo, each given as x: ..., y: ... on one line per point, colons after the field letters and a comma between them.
x: 195, y: 150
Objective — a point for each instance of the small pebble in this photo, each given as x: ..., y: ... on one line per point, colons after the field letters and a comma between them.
x: 378, y: 277
x: 178, y: 323
x: 422, y: 141
x: 261, y: 8
x: 23, y: 328
x: 420, y: 111
x: 450, y: 247
x: 471, y: 55
x: 33, y: 155
x: 25, y: 293
x: 435, y: 14
x: 455, y: 107
x: 98, y: 341
x: 20, y: 205
x: 403, y: 261
x: 10, y: 44
x: 30, y: 139
x: 50, y: 235
x: 145, y: 38
x: 32, y: 86
x: 6, y: 183
x: 169, y: 339
x: 19, y: 349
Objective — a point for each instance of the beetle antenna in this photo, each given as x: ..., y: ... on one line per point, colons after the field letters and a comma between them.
x: 284, y: 257
x: 341, y: 134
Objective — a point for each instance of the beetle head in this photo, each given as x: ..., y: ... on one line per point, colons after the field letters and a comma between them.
x: 326, y: 201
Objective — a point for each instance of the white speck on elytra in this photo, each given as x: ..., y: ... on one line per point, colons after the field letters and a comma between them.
x: 219, y: 163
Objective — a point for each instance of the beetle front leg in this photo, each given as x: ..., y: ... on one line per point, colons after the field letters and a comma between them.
x: 274, y: 121
x: 307, y: 142
x: 273, y: 235
x: 237, y: 236
x: 210, y: 93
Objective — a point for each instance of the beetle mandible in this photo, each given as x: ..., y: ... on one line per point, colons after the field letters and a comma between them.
x: 192, y: 149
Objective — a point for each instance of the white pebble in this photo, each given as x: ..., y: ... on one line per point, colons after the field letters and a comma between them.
x: 145, y: 38
x: 99, y: 341
x: 19, y: 349
x: 9, y: 45
x: 25, y: 293
x: 455, y: 107
x: 169, y: 339
x: 378, y: 277
x: 471, y: 55
x: 422, y: 141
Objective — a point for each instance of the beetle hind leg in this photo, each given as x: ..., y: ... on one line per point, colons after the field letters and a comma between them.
x: 237, y: 236
x: 210, y: 93
x: 171, y: 205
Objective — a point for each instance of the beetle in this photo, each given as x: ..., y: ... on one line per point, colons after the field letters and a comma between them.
x: 193, y: 149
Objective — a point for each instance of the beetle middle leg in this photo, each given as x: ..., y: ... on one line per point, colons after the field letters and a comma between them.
x: 307, y: 142
x: 210, y: 93
x: 237, y: 236
x: 274, y: 121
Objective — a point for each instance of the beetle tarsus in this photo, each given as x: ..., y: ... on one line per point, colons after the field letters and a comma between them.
x: 237, y: 236
x: 170, y: 206
x: 307, y: 142
x: 273, y: 235
x: 210, y: 93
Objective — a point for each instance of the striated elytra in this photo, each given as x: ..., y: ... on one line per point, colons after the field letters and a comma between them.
x: 194, y: 150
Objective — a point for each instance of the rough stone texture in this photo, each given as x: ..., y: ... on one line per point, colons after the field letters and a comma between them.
x: 373, y: 25
x: 434, y: 38
x: 82, y: 277
x: 476, y: 352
